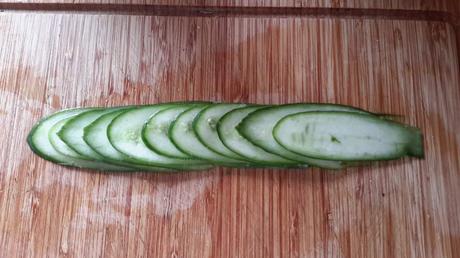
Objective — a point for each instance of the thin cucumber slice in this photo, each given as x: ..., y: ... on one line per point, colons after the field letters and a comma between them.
x: 184, y: 137
x: 58, y: 144
x: 38, y: 140
x: 205, y: 127
x: 347, y: 136
x: 258, y: 126
x: 124, y: 134
x: 95, y: 135
x: 229, y: 135
x: 155, y: 132
x: 72, y: 133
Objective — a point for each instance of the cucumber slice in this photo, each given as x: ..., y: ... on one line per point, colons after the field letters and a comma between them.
x: 226, y: 128
x: 205, y: 127
x: 38, y: 140
x: 124, y: 134
x: 60, y: 145
x: 155, y: 132
x: 95, y: 135
x: 347, y: 136
x: 72, y: 133
x: 184, y: 137
x: 258, y: 126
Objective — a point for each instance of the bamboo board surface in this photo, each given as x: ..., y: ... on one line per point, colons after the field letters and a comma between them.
x: 432, y: 5
x: 409, y: 208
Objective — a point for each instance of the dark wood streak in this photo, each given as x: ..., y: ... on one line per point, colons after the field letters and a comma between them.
x: 230, y: 11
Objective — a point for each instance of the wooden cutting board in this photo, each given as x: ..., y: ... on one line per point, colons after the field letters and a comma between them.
x: 405, y: 64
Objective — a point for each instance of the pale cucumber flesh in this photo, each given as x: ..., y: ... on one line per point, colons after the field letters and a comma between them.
x: 258, y: 126
x: 347, y: 136
x: 125, y: 135
x: 95, y: 135
x: 73, y: 130
x: 184, y: 137
x: 156, y: 132
x: 229, y: 135
x: 59, y: 144
x: 38, y: 140
x: 205, y: 126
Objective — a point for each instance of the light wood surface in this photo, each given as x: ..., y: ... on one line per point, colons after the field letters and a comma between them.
x: 409, y: 208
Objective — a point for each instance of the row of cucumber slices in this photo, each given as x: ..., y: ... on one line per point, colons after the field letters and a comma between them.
x: 200, y: 135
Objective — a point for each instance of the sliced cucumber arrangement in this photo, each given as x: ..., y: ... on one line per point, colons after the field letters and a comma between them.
x: 125, y: 134
x: 199, y: 135
x: 39, y: 142
x: 95, y: 135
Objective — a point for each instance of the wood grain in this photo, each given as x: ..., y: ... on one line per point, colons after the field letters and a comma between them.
x: 407, y: 208
x: 439, y: 5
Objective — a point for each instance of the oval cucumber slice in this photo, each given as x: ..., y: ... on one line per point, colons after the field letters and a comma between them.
x: 205, y: 127
x: 347, y: 136
x: 258, y: 126
x: 60, y: 145
x: 156, y: 132
x: 124, y: 134
x: 230, y: 136
x: 184, y: 137
x: 72, y: 132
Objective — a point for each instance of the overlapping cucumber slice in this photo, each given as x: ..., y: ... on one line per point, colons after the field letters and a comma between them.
x: 258, y: 126
x: 229, y: 135
x: 205, y: 127
x: 185, y: 138
x: 125, y: 135
x: 95, y: 135
x: 156, y: 132
x: 39, y: 142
